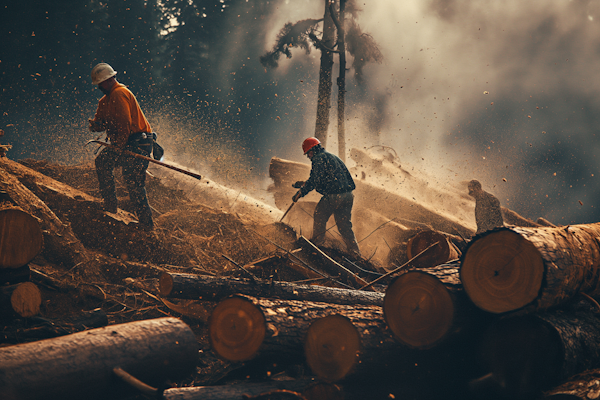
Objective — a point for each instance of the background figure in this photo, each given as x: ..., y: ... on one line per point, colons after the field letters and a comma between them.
x: 329, y: 177
x: 127, y: 128
x: 488, y: 214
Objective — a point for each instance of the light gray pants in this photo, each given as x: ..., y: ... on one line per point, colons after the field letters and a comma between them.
x: 340, y: 205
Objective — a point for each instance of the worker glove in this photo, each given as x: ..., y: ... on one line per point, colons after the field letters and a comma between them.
x: 298, y: 184
x: 296, y: 196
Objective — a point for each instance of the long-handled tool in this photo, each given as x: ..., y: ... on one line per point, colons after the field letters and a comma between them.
x: 131, y: 153
x: 287, y: 211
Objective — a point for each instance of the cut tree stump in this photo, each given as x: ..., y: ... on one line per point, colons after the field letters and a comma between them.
x: 80, y: 366
x: 243, y: 327
x: 203, y: 287
x: 427, y: 306
x: 441, y: 253
x: 20, y: 238
x: 531, y: 269
x: 530, y: 353
x: 25, y: 298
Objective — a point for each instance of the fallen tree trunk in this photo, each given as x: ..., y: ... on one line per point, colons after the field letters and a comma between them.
x: 530, y: 353
x: 531, y: 269
x: 427, y: 306
x: 81, y: 365
x: 203, y: 287
x: 24, y: 298
x: 20, y: 238
x: 242, y: 327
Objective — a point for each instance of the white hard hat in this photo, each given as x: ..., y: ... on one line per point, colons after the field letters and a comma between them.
x: 102, y: 72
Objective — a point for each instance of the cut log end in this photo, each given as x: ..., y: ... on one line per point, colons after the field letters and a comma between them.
x: 441, y: 253
x: 20, y: 238
x: 26, y: 300
x: 165, y: 284
x: 236, y: 329
x: 502, y: 272
x: 418, y: 309
x: 332, y: 346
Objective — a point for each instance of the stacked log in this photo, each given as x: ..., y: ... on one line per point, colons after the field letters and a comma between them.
x: 203, y: 287
x: 81, y: 365
x: 242, y: 327
x: 529, y: 353
x: 531, y: 269
x: 21, y: 241
x: 425, y: 307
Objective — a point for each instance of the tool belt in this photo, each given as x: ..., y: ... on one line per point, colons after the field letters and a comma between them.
x: 147, y: 139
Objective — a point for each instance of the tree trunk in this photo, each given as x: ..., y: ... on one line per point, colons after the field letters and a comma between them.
x: 81, y: 365
x: 60, y: 243
x: 341, y: 81
x: 242, y: 327
x: 202, y: 287
x: 20, y: 238
x: 325, y: 76
x: 531, y: 269
x: 443, y: 252
x: 427, y: 306
x: 25, y: 298
x: 527, y: 354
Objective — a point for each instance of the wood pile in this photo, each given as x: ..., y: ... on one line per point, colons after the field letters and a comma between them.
x: 509, y: 314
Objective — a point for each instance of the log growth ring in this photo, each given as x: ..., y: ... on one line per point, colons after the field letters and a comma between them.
x: 502, y: 272
x: 236, y: 329
x: 418, y: 309
x: 332, y: 346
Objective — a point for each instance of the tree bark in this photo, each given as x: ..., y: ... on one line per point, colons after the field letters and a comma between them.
x: 81, y: 365
x: 202, y: 287
x: 242, y: 327
x: 428, y: 306
x: 341, y: 80
x: 20, y: 237
x: 531, y: 269
x: 530, y: 353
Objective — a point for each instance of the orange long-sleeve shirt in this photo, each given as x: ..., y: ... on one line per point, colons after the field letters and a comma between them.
x: 120, y: 115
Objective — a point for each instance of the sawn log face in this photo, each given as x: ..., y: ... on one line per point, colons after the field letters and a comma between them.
x: 532, y: 268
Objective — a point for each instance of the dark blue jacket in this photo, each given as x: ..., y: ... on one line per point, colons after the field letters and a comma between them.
x: 328, y: 175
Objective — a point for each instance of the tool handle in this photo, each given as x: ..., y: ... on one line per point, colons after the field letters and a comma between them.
x: 131, y: 153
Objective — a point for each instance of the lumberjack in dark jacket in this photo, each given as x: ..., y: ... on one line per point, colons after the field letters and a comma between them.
x: 329, y: 177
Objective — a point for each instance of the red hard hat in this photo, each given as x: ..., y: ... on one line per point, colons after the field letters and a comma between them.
x: 309, y: 144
